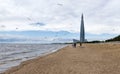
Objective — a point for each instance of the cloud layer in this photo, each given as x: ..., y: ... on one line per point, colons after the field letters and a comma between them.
x: 101, y: 16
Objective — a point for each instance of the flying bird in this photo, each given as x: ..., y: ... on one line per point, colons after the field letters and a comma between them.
x: 60, y: 4
x: 16, y: 28
x: 29, y: 19
x: 2, y: 26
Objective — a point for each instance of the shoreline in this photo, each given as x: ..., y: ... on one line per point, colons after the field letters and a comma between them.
x: 16, y: 62
x: 33, y: 59
x: 89, y: 59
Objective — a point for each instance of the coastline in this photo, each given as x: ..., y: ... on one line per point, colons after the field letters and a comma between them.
x: 89, y: 59
x: 17, y: 56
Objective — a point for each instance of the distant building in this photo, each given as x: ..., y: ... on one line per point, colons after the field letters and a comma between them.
x: 82, y: 33
x: 82, y: 30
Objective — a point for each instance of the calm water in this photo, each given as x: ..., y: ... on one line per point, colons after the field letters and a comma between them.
x: 13, y: 54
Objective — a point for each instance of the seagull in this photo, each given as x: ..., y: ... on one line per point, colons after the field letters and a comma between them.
x: 16, y: 28
x: 60, y: 4
x: 29, y: 19
x: 3, y: 26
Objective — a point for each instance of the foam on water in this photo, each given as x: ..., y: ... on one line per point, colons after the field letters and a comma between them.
x: 13, y: 54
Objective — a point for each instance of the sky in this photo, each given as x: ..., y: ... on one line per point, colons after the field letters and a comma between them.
x: 58, y: 20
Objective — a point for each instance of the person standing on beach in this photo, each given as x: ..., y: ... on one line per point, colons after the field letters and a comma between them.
x: 74, y: 44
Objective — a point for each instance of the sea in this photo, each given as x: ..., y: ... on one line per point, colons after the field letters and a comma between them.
x: 12, y: 54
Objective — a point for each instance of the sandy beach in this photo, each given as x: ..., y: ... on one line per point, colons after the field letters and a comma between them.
x: 101, y: 58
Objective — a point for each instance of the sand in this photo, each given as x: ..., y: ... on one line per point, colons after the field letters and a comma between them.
x: 88, y: 59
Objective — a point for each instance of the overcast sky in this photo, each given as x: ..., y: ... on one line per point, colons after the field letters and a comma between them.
x: 100, y: 16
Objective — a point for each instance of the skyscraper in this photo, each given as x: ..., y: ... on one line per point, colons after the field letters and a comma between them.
x: 82, y: 31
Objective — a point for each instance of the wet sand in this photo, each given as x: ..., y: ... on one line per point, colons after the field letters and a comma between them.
x: 89, y: 59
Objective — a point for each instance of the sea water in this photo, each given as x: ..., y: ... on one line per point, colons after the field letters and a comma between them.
x: 13, y: 54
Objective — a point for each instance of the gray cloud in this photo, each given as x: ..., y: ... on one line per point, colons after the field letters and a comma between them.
x: 37, y: 24
x: 101, y: 16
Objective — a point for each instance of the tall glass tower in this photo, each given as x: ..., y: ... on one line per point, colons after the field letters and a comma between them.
x: 82, y: 31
